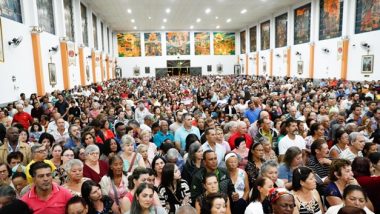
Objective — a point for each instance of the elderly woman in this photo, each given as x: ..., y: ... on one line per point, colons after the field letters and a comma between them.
x: 304, y: 189
x: 269, y: 169
x: 142, y: 149
x: 230, y: 128
x: 94, y: 168
x: 145, y: 137
x: 340, y: 175
x: 239, y: 179
x: 75, y: 179
x: 115, y: 183
x: 282, y: 201
x: 131, y: 159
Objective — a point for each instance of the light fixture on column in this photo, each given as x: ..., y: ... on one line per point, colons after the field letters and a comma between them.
x: 325, y: 50
x: 53, y: 49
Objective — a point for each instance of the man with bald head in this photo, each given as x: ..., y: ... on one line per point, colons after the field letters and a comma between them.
x: 11, y: 144
x: 240, y: 132
x: 53, y: 124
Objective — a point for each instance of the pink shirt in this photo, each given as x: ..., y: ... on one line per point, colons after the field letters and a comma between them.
x: 55, y: 204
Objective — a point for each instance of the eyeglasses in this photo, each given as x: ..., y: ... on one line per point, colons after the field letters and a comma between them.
x: 93, y: 153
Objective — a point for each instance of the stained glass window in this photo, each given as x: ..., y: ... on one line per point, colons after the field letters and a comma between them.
x: 83, y: 14
x: 95, y: 31
x: 69, y: 22
x: 46, y: 15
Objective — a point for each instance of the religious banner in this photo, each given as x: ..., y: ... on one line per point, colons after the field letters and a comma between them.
x: 178, y: 43
x: 330, y: 19
x: 367, y: 16
x: 71, y: 53
x: 281, y: 30
x: 97, y: 59
x: 339, y: 50
x: 153, y: 44
x: 253, y: 39
x: 224, y: 43
x: 302, y: 20
x: 242, y: 42
x: 128, y: 44
x: 202, y: 43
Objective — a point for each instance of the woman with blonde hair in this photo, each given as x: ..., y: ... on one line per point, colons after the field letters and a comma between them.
x: 131, y: 159
x: 142, y: 149
x: 145, y: 137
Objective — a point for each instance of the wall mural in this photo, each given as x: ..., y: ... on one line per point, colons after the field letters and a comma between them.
x: 202, y: 43
x: 153, y: 45
x: 330, y: 19
x: 83, y: 17
x: 281, y: 23
x: 224, y: 43
x: 128, y: 44
x: 11, y: 9
x: 178, y: 43
x: 1, y: 44
x: 242, y: 43
x: 302, y: 16
x: 253, y: 39
x: 265, y: 35
x: 367, y: 16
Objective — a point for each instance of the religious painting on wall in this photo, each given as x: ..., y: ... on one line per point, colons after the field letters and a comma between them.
x: 83, y: 16
x: 45, y: 15
x: 300, y: 67
x: 11, y: 9
x: 153, y: 44
x: 330, y: 19
x: 128, y: 44
x: 265, y: 35
x: 95, y: 31
x: 302, y: 17
x: 367, y: 64
x: 224, y: 43
x: 281, y: 28
x: 253, y: 39
x: 202, y: 43
x: 52, y: 74
x: 242, y: 43
x: 1, y: 44
x: 178, y: 43
x: 367, y: 16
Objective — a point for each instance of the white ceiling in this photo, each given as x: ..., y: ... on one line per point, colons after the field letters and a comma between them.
x: 184, y: 13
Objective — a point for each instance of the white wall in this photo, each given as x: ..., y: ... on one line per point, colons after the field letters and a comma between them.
x: 18, y: 62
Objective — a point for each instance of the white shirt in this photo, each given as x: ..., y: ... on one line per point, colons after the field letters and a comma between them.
x: 335, y: 209
x: 348, y: 155
x: 286, y: 142
x: 254, y: 208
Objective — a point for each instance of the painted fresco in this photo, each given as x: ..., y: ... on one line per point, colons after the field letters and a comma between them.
x: 253, y: 39
x: 367, y: 16
x: 302, y: 16
x: 224, y: 43
x: 153, y: 45
x: 178, y: 43
x: 330, y: 19
x: 11, y: 9
x: 242, y: 43
x: 281, y: 30
x: 265, y: 35
x: 202, y: 43
x: 128, y: 44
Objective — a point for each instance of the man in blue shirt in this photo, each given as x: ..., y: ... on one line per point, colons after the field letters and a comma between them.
x: 186, y: 129
x: 163, y: 134
x: 252, y: 113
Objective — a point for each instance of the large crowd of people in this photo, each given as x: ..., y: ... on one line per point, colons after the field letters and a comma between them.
x: 194, y: 144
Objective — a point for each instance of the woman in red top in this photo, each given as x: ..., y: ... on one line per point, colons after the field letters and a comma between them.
x: 104, y: 126
x: 94, y: 168
x: 361, y: 168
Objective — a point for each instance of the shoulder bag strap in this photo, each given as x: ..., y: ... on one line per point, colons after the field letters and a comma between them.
x: 132, y: 162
